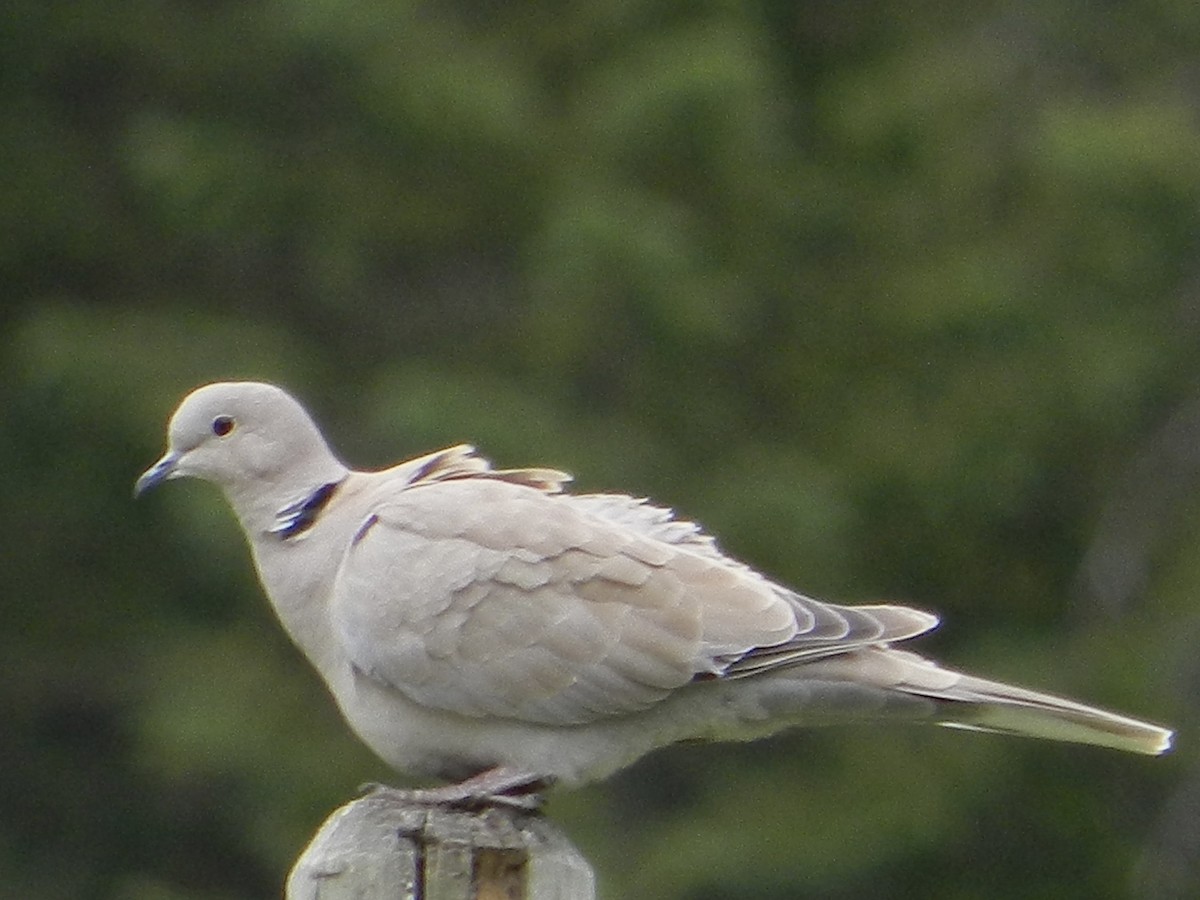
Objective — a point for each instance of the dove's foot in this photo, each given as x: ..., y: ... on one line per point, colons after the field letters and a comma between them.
x: 510, y: 788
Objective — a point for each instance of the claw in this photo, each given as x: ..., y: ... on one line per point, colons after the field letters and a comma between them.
x: 499, y: 787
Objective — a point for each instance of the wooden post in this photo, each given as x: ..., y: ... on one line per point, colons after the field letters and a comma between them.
x: 377, y: 848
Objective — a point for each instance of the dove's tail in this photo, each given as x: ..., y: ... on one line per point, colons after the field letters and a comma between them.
x: 957, y: 700
x: 981, y: 705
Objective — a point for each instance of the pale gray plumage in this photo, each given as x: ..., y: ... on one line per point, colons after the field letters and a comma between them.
x: 467, y: 618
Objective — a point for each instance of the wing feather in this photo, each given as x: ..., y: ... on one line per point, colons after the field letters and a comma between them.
x: 489, y: 594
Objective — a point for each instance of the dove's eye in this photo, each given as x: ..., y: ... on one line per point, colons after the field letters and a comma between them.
x: 222, y: 425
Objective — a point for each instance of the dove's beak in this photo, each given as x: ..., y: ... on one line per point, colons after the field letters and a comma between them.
x: 165, y: 468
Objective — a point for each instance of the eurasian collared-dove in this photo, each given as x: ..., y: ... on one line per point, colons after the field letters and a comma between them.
x: 482, y: 624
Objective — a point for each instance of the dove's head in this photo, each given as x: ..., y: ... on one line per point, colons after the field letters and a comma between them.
x: 252, y: 440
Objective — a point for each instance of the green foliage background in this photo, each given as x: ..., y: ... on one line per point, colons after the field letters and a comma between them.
x: 900, y: 299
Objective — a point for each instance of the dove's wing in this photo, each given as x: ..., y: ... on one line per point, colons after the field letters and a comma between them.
x: 488, y: 597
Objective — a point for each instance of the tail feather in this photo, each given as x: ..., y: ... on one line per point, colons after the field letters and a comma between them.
x: 981, y: 705
x: 978, y: 704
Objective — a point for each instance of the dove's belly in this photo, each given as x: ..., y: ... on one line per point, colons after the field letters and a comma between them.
x: 419, y: 740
